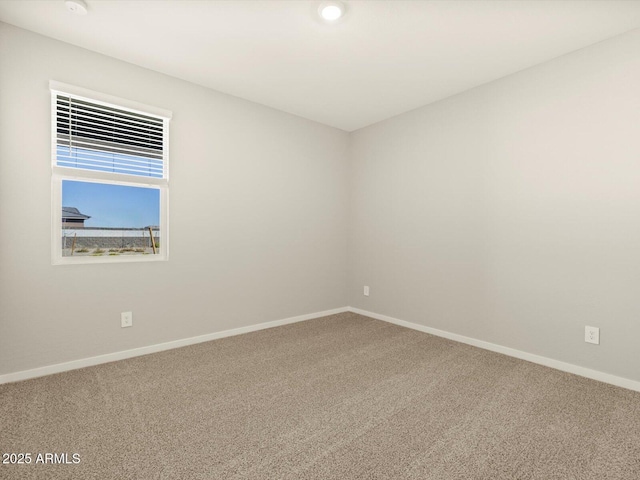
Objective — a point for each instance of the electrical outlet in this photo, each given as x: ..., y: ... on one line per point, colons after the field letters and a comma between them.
x: 126, y: 319
x: 592, y: 335
x: 366, y: 291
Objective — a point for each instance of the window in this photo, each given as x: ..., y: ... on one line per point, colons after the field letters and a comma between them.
x: 110, y: 178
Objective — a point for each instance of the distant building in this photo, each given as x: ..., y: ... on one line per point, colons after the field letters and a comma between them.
x: 71, y: 217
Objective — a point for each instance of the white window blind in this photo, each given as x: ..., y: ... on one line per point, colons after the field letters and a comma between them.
x: 91, y: 135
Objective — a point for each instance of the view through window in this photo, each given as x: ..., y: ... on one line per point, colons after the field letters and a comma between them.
x: 103, y: 219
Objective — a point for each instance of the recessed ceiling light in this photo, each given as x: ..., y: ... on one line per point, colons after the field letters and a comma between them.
x: 76, y: 6
x: 331, y: 11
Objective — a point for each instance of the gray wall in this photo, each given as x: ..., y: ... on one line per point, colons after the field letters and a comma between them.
x: 511, y: 213
x: 267, y: 189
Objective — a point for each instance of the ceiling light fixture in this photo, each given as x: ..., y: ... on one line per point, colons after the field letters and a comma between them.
x: 79, y: 7
x: 331, y: 11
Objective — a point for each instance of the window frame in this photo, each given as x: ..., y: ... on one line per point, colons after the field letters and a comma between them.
x: 60, y: 173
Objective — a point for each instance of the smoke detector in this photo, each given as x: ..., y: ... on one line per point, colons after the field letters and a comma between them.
x: 79, y: 7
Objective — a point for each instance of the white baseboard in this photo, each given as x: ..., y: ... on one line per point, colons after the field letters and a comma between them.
x: 512, y: 352
x: 136, y: 352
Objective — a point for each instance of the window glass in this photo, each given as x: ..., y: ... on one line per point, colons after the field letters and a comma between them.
x: 100, y: 219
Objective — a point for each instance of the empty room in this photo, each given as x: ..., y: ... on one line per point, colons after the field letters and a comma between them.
x: 318, y: 239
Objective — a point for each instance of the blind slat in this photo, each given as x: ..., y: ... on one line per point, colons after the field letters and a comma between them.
x: 93, y: 136
x: 88, y: 121
x: 91, y: 159
x: 80, y: 124
x: 111, y: 169
x: 73, y: 153
x: 102, y: 112
x: 110, y: 147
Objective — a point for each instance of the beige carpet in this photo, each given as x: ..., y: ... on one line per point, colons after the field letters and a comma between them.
x: 341, y: 397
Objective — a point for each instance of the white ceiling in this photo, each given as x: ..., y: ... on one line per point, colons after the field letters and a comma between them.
x: 383, y: 58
